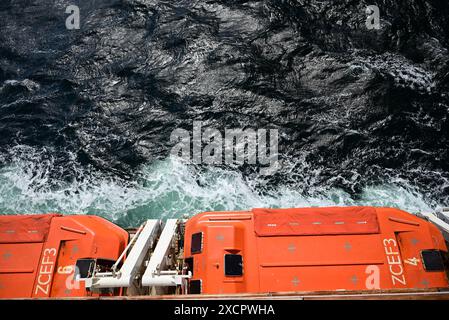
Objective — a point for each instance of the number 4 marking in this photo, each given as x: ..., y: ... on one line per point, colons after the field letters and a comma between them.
x: 412, y: 261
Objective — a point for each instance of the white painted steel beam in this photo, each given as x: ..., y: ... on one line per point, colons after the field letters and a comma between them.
x: 152, y: 276
x: 133, y: 262
x: 442, y: 225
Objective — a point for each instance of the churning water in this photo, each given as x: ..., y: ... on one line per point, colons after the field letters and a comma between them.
x: 86, y: 115
x: 172, y: 188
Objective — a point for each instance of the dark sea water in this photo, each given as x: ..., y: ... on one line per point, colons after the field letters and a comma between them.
x: 86, y: 115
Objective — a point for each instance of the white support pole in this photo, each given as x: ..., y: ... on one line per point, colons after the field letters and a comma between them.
x: 165, y: 281
x: 128, y: 271
x: 157, y: 263
x: 444, y: 212
x: 442, y: 225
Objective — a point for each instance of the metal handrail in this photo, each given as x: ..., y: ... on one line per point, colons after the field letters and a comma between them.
x: 130, y: 244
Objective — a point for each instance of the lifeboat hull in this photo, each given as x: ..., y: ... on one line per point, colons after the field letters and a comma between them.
x: 298, y: 253
x: 38, y: 253
x: 314, y: 249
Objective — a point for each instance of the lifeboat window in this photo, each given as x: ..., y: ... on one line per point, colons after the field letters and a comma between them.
x: 195, y: 286
x: 233, y: 265
x: 85, y: 268
x: 432, y: 260
x: 188, y: 265
x: 196, y: 245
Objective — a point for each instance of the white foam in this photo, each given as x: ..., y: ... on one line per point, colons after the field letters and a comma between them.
x: 171, y: 188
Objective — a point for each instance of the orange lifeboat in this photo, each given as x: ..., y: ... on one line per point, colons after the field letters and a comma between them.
x: 313, y: 249
x: 38, y: 253
x: 261, y: 251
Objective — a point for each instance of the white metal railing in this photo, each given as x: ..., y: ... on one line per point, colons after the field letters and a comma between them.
x: 155, y: 275
x: 144, y: 240
x: 440, y: 219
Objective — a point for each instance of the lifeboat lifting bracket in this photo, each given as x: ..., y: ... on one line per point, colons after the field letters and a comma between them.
x: 150, y: 235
